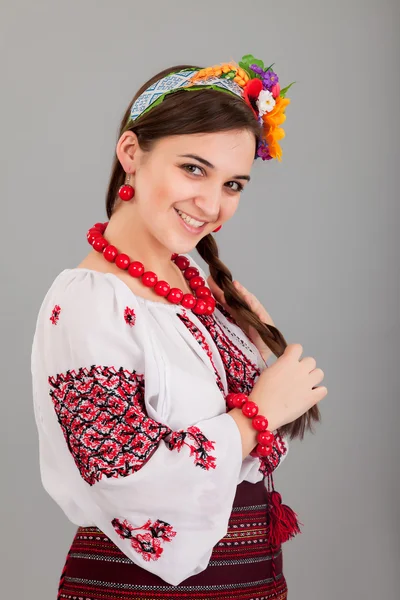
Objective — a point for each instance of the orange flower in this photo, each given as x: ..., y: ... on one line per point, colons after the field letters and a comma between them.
x: 272, y: 130
x: 277, y: 115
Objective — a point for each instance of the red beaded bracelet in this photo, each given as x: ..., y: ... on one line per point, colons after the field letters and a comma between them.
x: 249, y: 408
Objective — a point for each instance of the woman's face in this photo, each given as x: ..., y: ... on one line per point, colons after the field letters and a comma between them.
x: 188, y: 185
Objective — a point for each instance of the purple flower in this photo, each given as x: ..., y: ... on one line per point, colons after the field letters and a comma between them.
x: 257, y: 69
x: 269, y: 79
x: 263, y: 151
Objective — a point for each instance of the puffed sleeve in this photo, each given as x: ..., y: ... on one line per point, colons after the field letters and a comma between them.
x: 107, y: 458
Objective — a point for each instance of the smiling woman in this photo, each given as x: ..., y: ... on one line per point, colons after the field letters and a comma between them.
x: 150, y: 386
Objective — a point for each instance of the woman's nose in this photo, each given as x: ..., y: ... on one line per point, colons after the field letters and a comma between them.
x: 209, y: 203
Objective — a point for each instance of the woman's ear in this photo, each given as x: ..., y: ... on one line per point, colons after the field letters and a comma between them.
x: 127, y: 151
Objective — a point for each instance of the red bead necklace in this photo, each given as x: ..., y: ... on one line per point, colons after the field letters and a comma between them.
x: 201, y: 301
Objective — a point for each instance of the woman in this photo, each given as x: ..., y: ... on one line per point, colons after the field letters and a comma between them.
x: 159, y: 424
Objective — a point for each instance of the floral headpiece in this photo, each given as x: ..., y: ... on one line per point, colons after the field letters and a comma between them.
x: 258, y: 86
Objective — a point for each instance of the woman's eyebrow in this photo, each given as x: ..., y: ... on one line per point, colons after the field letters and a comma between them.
x: 210, y: 165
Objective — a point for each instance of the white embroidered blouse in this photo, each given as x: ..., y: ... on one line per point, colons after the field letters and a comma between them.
x: 129, y: 398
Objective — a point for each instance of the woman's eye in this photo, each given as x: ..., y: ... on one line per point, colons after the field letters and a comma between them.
x: 238, y: 188
x: 192, y: 169
x: 235, y: 186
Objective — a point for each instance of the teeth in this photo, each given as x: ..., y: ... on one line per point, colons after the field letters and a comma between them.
x: 189, y: 220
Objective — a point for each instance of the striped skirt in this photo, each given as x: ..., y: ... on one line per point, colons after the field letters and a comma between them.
x: 241, y: 567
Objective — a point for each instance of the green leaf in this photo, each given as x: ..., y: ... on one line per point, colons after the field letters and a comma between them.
x: 248, y: 60
x: 246, y: 68
x: 258, y: 62
x: 284, y: 91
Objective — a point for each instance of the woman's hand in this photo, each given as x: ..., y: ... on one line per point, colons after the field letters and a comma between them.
x: 255, y: 306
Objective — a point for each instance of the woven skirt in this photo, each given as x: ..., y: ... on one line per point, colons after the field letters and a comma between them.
x: 242, y: 565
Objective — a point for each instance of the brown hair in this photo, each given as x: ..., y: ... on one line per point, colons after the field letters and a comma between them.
x: 204, y: 111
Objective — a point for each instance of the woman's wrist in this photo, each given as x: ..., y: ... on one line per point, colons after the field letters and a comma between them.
x: 264, y: 438
x: 247, y: 431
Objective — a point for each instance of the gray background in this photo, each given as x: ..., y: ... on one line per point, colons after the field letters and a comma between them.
x: 315, y: 238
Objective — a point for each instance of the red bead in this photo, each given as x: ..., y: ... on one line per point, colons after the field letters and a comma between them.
x: 100, y: 227
x: 239, y: 400
x: 162, y: 288
x: 110, y: 253
x: 191, y: 272
x: 182, y: 262
x: 174, y: 255
x: 99, y: 244
x: 265, y: 438
x: 254, y: 453
x: 122, y: 261
x: 126, y: 192
x: 188, y: 301
x: 94, y: 233
x: 229, y: 400
x: 175, y: 295
x: 149, y: 279
x: 200, y: 308
x: 217, y: 228
x: 263, y: 450
x: 136, y: 269
x: 203, y: 292
x: 196, y: 282
x: 210, y: 305
x: 250, y: 409
x: 260, y: 423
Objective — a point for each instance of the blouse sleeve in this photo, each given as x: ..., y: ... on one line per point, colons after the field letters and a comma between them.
x: 163, y: 497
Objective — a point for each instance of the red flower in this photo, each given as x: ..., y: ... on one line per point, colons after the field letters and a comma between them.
x: 130, y: 316
x: 55, y: 314
x: 251, y: 92
x: 147, y: 544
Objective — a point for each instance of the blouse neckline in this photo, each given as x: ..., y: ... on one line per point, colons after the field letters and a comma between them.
x: 113, y: 277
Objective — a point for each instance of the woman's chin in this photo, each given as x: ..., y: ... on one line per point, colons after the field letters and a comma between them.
x: 180, y: 245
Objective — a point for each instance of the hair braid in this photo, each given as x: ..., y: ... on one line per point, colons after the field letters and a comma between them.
x: 208, y: 250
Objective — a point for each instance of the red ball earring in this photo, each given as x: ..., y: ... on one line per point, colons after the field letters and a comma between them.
x: 126, y: 192
x: 217, y: 229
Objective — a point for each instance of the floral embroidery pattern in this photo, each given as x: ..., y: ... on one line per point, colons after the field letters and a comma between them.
x: 199, y: 446
x: 102, y: 414
x: 129, y: 316
x: 241, y: 372
x: 55, y: 314
x: 147, y: 544
x: 199, y: 336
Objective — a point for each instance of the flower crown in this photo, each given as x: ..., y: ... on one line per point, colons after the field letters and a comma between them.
x: 256, y: 85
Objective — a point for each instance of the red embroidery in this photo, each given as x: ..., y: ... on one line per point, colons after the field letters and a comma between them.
x: 146, y: 544
x: 198, y: 335
x: 241, y: 373
x: 226, y: 314
x: 130, y: 316
x: 268, y: 464
x: 102, y: 414
x: 241, y: 376
x: 199, y: 448
x: 55, y: 315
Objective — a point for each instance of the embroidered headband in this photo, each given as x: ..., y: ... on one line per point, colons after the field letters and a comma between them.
x: 250, y: 80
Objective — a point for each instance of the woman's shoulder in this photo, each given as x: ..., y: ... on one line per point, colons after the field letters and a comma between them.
x: 86, y: 296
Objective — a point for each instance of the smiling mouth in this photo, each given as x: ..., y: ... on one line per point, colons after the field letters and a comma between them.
x: 190, y: 220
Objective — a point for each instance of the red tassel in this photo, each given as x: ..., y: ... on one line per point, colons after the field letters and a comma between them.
x: 283, y: 521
